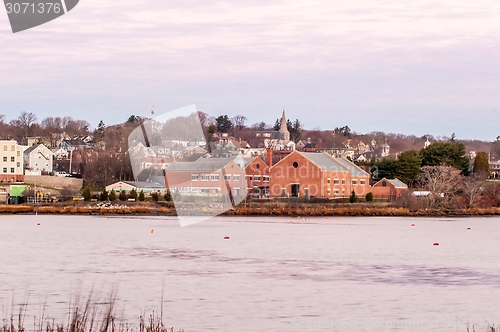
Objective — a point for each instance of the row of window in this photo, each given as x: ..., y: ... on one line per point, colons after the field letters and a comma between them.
x: 213, y: 177
x: 258, y: 178
x: 336, y: 191
x: 354, y: 181
x: 12, y: 148
x: 12, y: 159
x: 4, y: 170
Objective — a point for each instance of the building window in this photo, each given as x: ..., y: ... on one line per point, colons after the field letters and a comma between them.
x: 343, y: 191
x: 335, y: 181
x: 227, y: 177
x: 354, y: 181
x: 257, y: 178
x: 295, y: 164
x: 4, y: 159
x: 328, y: 181
x: 362, y: 182
x: 214, y: 190
x: 343, y: 181
x: 257, y: 165
x: 335, y: 191
x: 18, y: 164
x: 5, y: 147
x: 12, y: 169
x: 12, y: 159
x: 12, y: 148
x: 214, y: 177
x: 204, y: 177
x: 5, y: 170
x: 266, y: 178
x: 329, y: 191
x: 19, y: 153
x: 194, y: 177
x: 236, y: 177
x: 204, y: 190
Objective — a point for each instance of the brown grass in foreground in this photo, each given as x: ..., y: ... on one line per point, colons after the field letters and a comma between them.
x: 91, y: 315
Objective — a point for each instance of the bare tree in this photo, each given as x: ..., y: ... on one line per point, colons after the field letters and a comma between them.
x: 442, y: 182
x: 25, y: 122
x: 239, y: 121
x: 472, y: 189
x: 2, y: 118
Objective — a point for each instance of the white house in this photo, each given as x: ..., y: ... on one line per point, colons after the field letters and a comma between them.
x: 37, y: 159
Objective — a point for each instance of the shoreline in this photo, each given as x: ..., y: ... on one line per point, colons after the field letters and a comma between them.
x: 269, y: 209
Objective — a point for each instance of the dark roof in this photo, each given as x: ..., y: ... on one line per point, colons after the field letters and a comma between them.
x: 31, y: 148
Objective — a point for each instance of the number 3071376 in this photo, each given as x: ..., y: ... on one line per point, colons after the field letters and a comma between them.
x: 33, y: 8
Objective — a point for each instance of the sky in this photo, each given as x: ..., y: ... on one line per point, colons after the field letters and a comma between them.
x: 411, y: 67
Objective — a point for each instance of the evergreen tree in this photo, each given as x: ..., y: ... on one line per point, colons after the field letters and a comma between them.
x: 446, y: 154
x: 353, y: 198
x: 104, y: 195
x: 224, y: 125
x: 123, y: 196
x: 86, y: 194
x: 133, y: 194
x: 481, y: 165
x: 408, y: 166
x: 142, y: 198
x: 112, y: 196
x: 168, y: 196
x: 369, y: 197
x: 155, y: 196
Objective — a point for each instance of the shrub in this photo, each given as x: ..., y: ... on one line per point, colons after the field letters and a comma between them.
x: 353, y: 198
x: 155, y: 197
x: 104, y: 195
x: 112, y: 196
x: 142, y: 198
x: 122, y: 196
x: 86, y: 194
x: 168, y: 196
x: 133, y: 194
x: 369, y: 197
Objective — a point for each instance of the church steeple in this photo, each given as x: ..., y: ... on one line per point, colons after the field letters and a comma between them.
x: 283, y: 128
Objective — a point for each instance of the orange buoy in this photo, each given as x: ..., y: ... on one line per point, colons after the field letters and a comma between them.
x: 436, y: 244
x: 226, y: 237
x: 412, y: 225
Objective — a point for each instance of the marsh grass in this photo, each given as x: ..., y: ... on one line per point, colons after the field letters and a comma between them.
x: 86, y: 315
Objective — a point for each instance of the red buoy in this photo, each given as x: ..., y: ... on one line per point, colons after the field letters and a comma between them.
x: 436, y: 243
x: 468, y: 228
x: 412, y: 225
x: 38, y: 224
x: 226, y: 237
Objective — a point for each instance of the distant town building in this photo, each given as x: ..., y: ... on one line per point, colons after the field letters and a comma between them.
x: 11, y: 161
x: 38, y: 159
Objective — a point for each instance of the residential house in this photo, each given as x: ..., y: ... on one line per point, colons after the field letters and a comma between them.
x: 37, y: 159
x: 11, y: 161
x: 257, y: 176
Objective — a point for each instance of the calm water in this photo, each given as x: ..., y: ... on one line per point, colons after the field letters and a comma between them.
x: 347, y: 274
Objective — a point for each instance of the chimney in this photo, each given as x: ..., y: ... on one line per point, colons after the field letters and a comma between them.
x: 309, y: 140
x: 269, y: 157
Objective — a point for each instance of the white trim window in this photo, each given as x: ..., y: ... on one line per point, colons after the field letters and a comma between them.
x: 354, y: 181
x: 227, y: 177
x: 205, y: 177
x: 194, y: 177
x: 236, y: 177
x: 214, y: 177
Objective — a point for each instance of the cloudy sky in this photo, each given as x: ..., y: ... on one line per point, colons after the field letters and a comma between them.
x: 411, y: 67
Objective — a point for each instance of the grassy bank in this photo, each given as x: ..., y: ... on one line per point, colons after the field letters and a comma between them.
x: 251, y: 209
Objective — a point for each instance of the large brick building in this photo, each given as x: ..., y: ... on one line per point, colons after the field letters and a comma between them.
x: 309, y: 174
x: 214, y: 176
